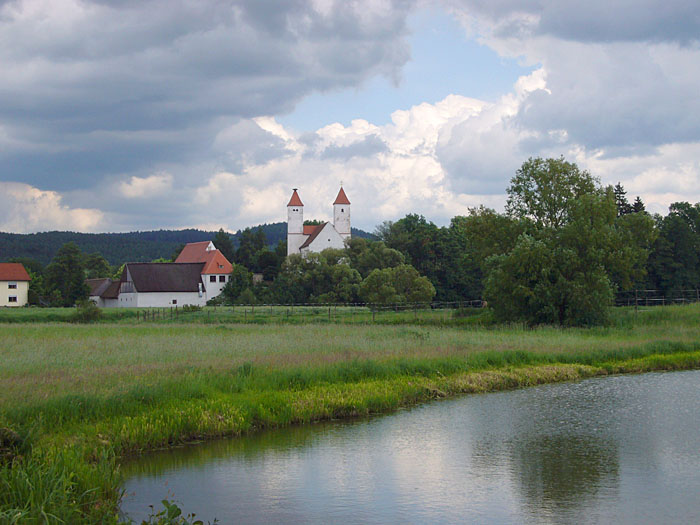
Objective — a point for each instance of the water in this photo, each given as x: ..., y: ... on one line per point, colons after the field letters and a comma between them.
x: 612, y: 450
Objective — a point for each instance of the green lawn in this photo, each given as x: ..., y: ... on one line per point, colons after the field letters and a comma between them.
x: 76, y: 397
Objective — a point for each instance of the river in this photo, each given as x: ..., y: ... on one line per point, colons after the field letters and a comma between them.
x: 623, y: 449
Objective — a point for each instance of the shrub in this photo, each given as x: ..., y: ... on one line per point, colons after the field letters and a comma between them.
x: 86, y: 311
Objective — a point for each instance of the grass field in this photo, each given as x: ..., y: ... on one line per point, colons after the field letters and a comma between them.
x: 75, y: 398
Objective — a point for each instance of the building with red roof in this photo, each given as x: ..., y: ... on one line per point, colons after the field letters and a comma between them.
x: 198, y: 274
x: 304, y: 238
x: 14, y: 284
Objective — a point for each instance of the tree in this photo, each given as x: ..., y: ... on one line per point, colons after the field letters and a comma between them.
x: 66, y: 276
x: 545, y: 190
x: 96, y: 266
x: 239, y: 280
x: 638, y: 206
x: 250, y: 244
x: 560, y: 273
x: 320, y: 277
x: 623, y: 205
x: 223, y: 243
x: 366, y: 256
x: 398, y: 285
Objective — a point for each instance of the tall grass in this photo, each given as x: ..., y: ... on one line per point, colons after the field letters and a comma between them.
x: 82, y: 396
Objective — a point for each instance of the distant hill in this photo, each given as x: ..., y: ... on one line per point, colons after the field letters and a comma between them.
x: 118, y: 248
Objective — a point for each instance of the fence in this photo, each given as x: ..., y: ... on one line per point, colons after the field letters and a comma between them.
x: 369, y: 313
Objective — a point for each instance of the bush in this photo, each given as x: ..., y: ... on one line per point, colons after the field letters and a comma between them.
x: 86, y: 311
x: 191, y: 308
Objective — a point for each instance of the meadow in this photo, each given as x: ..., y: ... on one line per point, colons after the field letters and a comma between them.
x: 75, y: 398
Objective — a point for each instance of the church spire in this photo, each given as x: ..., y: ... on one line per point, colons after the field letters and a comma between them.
x: 341, y: 198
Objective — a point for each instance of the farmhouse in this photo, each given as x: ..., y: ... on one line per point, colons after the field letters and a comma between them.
x: 198, y: 274
x: 14, y: 284
x: 303, y: 238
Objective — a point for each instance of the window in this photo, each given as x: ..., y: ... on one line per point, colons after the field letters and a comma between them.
x: 212, y: 278
x: 174, y: 301
x: 12, y: 299
x: 12, y: 286
x: 222, y: 278
x: 341, y: 210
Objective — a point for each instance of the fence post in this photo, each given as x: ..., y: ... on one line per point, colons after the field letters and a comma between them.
x: 329, y: 313
x: 636, y: 301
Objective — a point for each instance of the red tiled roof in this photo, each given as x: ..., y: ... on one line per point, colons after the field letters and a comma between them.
x: 309, y: 229
x: 216, y: 262
x: 13, y: 272
x: 341, y: 198
x: 295, y: 200
x: 313, y: 236
x: 193, y: 252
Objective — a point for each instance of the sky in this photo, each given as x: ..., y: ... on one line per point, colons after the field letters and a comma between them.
x: 127, y: 115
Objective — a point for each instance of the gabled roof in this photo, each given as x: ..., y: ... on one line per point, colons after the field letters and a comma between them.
x: 98, y: 286
x: 313, y: 236
x: 164, y: 277
x: 13, y: 272
x: 205, y: 252
x: 216, y: 262
x: 341, y: 198
x: 309, y: 229
x: 195, y: 252
x: 112, y: 291
x: 295, y: 200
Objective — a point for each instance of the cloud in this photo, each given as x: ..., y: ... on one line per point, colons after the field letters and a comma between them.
x: 100, y: 88
x: 27, y: 209
x: 150, y: 187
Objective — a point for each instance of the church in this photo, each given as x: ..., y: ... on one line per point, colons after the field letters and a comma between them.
x: 303, y: 239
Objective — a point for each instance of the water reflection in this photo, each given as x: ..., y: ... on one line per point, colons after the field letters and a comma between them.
x: 595, y: 451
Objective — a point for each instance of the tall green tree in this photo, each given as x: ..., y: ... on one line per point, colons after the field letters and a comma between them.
x: 96, y: 266
x: 397, y: 285
x: 66, y: 275
x: 545, y: 191
x: 223, y: 243
x: 560, y: 273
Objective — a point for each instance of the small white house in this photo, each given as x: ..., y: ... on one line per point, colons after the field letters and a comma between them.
x: 14, y: 284
x: 315, y: 238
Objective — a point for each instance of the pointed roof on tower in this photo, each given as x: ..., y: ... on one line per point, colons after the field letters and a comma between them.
x: 341, y: 198
x: 295, y: 200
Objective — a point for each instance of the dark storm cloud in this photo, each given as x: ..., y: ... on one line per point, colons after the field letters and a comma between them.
x: 76, y: 72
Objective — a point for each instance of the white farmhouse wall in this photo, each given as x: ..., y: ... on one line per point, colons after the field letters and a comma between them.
x: 20, y: 292
x: 213, y: 289
x: 160, y: 299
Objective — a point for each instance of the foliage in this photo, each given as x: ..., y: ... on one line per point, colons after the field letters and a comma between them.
x: 86, y: 311
x: 191, y: 308
x: 545, y: 190
x: 65, y: 275
x: 365, y: 256
x: 223, y: 243
x: 96, y: 266
x: 321, y: 277
x: 171, y: 514
x: 400, y: 284
x: 561, y: 274
x: 250, y: 243
x: 239, y: 280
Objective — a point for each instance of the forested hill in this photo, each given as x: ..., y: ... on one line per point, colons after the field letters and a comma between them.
x: 122, y: 247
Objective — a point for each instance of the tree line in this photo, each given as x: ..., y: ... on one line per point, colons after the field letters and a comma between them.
x: 559, y: 252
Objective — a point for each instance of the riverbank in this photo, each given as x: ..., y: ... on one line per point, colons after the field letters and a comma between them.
x: 76, y: 398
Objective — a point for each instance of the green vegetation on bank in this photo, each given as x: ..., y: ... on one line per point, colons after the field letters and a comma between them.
x: 77, y: 397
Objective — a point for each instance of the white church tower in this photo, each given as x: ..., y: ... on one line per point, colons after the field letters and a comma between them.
x: 341, y: 214
x: 295, y: 224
